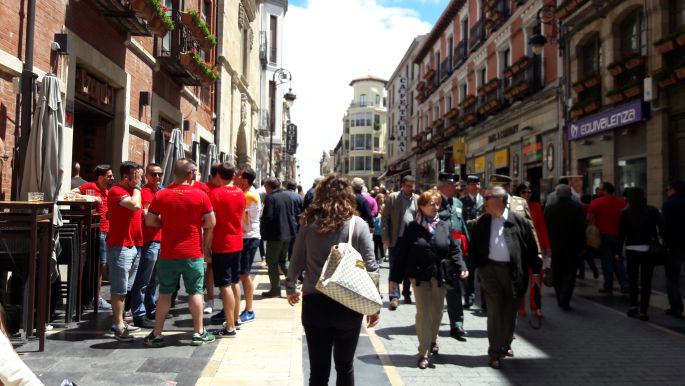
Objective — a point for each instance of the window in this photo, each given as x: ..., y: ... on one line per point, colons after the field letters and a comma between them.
x: 450, y: 44
x: 360, y: 163
x: 436, y: 112
x: 590, y: 56
x: 245, y: 41
x: 385, y: 102
x: 369, y: 117
x: 504, y: 61
x: 376, y: 164
x: 362, y: 100
x: 465, y: 31
x: 448, y: 102
x: 632, y: 34
x: 361, y: 141
x: 378, y: 100
x: 376, y: 118
x: 376, y: 145
x: 438, y: 67
x: 463, y: 89
x: 678, y: 14
x: 273, y: 29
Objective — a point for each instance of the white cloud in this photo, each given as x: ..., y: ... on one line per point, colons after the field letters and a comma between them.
x: 327, y: 45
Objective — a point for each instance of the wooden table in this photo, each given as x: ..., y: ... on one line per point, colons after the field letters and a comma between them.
x: 85, y: 212
x: 39, y: 217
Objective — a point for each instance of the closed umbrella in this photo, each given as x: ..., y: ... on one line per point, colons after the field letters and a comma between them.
x: 211, y: 159
x: 43, y: 169
x: 173, y: 152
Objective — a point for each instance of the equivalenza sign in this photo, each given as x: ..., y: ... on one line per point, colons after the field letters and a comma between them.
x: 607, y: 120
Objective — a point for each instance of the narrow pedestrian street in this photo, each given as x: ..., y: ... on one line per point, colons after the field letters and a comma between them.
x: 594, y: 344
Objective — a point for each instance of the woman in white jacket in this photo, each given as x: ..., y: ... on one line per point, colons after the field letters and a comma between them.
x: 13, y: 371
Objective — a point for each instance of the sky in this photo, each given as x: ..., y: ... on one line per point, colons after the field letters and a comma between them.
x: 327, y: 44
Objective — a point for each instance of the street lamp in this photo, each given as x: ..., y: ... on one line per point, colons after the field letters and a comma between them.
x: 283, y: 76
x: 544, y: 16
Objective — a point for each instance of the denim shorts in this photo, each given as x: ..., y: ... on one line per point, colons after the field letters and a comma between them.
x: 169, y: 272
x: 123, y: 264
x: 226, y: 268
x: 250, y: 247
x: 102, y: 247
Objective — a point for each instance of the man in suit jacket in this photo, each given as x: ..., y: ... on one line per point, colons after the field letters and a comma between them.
x: 400, y: 210
x: 277, y: 227
x: 472, y: 207
x: 503, y: 249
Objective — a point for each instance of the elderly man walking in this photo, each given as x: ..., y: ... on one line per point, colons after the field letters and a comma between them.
x: 503, y: 249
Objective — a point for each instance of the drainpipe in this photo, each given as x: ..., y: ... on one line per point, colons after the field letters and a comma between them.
x: 28, y: 80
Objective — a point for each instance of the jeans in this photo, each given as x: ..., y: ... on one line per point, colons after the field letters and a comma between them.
x: 144, y: 290
x: 123, y: 264
x: 102, y: 247
x: 406, y: 286
x: 276, y: 256
x: 330, y: 327
x: 610, y: 266
x: 640, y: 265
x: 673, y: 267
x: 455, y: 309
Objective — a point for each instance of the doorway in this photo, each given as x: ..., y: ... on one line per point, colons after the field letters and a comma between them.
x: 92, y: 134
x: 591, y: 169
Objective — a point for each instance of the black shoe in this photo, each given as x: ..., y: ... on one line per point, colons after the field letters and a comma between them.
x: 673, y: 313
x: 269, y: 294
x: 218, y: 318
x: 458, y: 334
x: 467, y: 306
x: 407, y: 300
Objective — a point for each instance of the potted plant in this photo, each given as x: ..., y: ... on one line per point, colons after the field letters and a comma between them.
x: 633, y: 61
x: 591, y: 80
x: 160, y: 23
x: 508, y: 72
x: 665, y: 79
x: 633, y: 89
x: 524, y: 62
x: 615, y: 95
x: 192, y: 61
x: 143, y: 8
x: 199, y: 28
x: 591, y: 106
x: 523, y: 87
x: 578, y: 86
x: 665, y: 45
x: 615, y: 68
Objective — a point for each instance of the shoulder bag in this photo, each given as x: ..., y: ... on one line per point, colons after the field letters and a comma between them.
x: 344, y: 278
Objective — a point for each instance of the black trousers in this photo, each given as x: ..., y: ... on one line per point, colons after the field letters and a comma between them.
x: 640, y: 267
x: 330, y: 326
x: 673, y: 267
x: 378, y: 248
x: 564, y: 266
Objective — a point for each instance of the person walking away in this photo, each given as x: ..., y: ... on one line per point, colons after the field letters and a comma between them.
x: 566, y: 226
x: 228, y: 202
x: 426, y: 245
x: 674, y: 229
x: 251, y: 239
x: 503, y: 249
x: 298, y: 203
x: 144, y: 290
x: 604, y: 212
x: 640, y: 225
x: 378, y: 247
x: 400, y: 210
x: 309, y: 196
x: 532, y: 197
x: 451, y: 212
x: 124, y: 242
x: 104, y: 179
x: 183, y: 212
x: 362, y: 203
x: 472, y: 208
x: 373, y: 204
x: 277, y: 229
x: 329, y: 326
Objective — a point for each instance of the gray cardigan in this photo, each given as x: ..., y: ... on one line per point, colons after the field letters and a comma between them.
x: 311, y: 250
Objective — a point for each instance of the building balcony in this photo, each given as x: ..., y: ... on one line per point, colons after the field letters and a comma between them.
x: 171, y: 53
x: 120, y: 14
x: 460, y: 55
x: 477, y: 35
x: 445, y: 70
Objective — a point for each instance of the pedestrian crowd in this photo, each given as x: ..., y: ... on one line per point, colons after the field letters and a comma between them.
x: 451, y: 244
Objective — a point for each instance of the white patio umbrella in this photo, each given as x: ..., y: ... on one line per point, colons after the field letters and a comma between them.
x: 173, y: 152
x: 212, y: 157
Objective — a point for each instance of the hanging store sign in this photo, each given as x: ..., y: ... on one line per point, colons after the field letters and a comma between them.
x: 623, y: 115
x: 502, y: 158
x: 94, y: 91
x: 532, y: 149
x: 459, y: 151
x: 291, y: 139
x: 402, y: 115
x: 479, y: 164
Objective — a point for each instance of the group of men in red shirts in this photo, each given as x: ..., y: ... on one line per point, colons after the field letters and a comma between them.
x: 156, y: 236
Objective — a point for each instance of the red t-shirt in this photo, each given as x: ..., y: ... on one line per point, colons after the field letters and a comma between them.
x: 607, y: 210
x: 181, y: 209
x: 210, y: 185
x: 229, y: 206
x: 196, y: 184
x: 125, y: 225
x: 101, y: 208
x: 149, y: 233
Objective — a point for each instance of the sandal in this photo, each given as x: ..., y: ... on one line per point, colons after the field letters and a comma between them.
x: 434, y: 348
x: 423, y: 363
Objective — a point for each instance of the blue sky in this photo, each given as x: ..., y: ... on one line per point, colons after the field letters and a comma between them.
x: 427, y: 10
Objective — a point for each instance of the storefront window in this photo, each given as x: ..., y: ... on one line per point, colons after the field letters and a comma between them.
x: 632, y: 173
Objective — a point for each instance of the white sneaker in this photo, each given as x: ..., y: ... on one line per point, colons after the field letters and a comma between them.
x: 208, y: 310
x: 208, y: 306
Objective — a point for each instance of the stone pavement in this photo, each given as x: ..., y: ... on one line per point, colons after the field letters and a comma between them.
x: 594, y: 344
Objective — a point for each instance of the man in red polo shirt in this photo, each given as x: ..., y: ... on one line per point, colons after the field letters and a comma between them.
x: 103, y: 181
x: 228, y: 202
x: 604, y: 212
x: 182, y: 212
x: 124, y: 241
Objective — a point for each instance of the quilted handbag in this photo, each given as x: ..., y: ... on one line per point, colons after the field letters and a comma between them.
x: 344, y: 279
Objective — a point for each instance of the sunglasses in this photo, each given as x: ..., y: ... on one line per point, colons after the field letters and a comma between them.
x: 156, y: 174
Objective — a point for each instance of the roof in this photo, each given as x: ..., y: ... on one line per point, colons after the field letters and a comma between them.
x: 443, y: 22
x: 369, y: 77
x: 407, y: 55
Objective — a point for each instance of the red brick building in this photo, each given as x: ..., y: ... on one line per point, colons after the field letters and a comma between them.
x: 125, y: 79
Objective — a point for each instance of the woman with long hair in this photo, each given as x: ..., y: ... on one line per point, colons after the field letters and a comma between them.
x: 328, y: 325
x: 640, y: 226
x: 13, y: 371
x: 427, y: 255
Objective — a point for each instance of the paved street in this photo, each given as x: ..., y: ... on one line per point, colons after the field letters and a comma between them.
x: 595, y: 344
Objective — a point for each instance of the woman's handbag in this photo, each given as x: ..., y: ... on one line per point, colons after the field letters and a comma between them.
x: 592, y: 237
x: 344, y: 279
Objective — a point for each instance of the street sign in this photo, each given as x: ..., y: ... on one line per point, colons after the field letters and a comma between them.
x: 291, y: 139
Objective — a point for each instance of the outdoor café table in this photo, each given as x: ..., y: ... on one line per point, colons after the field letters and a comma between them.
x: 37, y: 217
x: 85, y: 213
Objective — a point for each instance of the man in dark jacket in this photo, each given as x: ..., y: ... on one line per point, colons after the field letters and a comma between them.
x: 362, y: 203
x: 309, y: 196
x: 277, y: 227
x: 566, y: 228
x: 674, y: 229
x: 503, y: 249
x: 298, y: 207
x: 451, y: 213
